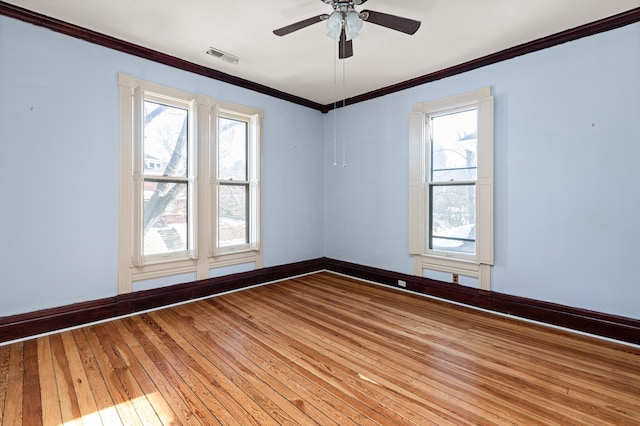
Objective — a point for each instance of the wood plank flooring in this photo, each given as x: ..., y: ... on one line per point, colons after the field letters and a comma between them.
x: 321, y: 349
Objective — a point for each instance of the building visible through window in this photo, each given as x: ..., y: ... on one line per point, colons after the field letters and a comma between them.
x: 189, y: 183
x: 165, y: 208
x: 453, y: 172
x: 451, y: 185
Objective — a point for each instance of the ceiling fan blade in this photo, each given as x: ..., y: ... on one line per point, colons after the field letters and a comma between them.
x: 300, y: 25
x: 398, y: 23
x: 345, y: 47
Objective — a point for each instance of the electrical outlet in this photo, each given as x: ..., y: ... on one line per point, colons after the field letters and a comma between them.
x: 402, y: 283
x: 455, y: 279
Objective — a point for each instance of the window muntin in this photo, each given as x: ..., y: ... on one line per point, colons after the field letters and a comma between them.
x: 156, y: 162
x: 451, y: 180
x: 233, y: 183
x: 166, y: 215
x: 451, y: 185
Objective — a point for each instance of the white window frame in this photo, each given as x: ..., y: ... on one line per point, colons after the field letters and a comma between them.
x: 253, y: 119
x: 202, y: 145
x: 176, y: 99
x: 476, y: 265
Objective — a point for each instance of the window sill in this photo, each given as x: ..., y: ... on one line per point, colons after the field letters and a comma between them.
x: 469, y: 268
x: 235, y: 258
x: 162, y: 269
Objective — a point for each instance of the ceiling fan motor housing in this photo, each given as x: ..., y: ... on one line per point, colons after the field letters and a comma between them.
x: 344, y: 3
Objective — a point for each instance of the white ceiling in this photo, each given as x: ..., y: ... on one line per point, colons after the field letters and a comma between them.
x: 302, y: 63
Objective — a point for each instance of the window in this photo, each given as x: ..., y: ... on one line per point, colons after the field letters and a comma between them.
x: 451, y: 185
x: 167, y: 207
x: 451, y: 181
x: 233, y: 183
x: 189, y: 183
x: 237, y: 182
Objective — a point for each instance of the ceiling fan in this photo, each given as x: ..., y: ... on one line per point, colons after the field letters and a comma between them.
x: 345, y: 22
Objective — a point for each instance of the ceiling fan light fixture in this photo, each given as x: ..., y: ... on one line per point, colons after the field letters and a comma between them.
x: 334, y: 25
x: 352, y: 24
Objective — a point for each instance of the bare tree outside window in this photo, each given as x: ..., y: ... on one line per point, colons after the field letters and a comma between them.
x: 165, y: 178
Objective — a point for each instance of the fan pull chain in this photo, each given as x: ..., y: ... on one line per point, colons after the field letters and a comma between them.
x: 344, y: 108
x: 335, y: 105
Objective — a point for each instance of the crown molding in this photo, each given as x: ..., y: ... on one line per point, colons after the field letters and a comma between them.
x: 603, y: 25
x: 616, y: 21
x: 100, y: 39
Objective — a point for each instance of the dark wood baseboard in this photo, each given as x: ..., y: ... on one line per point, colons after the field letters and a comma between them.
x: 47, y: 320
x: 596, y: 323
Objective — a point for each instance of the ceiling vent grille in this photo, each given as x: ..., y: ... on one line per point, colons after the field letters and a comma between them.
x: 223, y: 56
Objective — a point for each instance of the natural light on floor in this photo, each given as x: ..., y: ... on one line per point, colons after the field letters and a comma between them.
x: 145, y: 410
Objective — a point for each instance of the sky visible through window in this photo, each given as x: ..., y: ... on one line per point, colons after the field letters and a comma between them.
x: 453, y: 175
x: 165, y: 201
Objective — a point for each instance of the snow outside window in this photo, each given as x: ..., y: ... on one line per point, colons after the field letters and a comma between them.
x: 451, y: 185
x: 189, y: 183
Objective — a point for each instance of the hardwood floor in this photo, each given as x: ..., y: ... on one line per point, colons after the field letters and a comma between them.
x: 321, y: 349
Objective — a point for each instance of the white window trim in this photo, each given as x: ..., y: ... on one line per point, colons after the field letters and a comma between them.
x: 253, y: 118
x: 202, y: 177
x: 478, y: 265
x: 179, y: 99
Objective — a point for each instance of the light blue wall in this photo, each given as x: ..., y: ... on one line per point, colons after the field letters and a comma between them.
x: 59, y: 151
x: 567, y: 192
x: 567, y: 146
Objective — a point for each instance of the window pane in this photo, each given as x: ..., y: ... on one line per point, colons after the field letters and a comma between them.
x: 454, y: 147
x: 232, y: 149
x: 233, y: 225
x: 453, y: 218
x: 165, y: 140
x: 165, y: 217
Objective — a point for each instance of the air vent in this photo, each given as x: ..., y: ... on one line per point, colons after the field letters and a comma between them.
x: 223, y: 56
